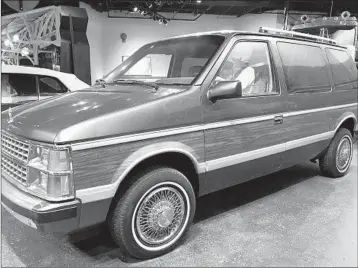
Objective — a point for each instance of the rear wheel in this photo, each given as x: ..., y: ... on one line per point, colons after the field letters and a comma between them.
x: 153, y: 215
x: 337, y: 160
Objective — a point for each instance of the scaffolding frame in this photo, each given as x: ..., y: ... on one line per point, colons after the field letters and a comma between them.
x: 35, y: 30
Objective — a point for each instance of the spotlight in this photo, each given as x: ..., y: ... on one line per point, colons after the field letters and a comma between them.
x: 7, y: 43
x: 198, y: 1
x: 135, y: 9
x: 16, y: 38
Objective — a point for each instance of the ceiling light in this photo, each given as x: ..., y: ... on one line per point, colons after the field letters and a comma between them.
x: 198, y: 1
x: 25, y: 51
x: 16, y: 38
x: 135, y: 9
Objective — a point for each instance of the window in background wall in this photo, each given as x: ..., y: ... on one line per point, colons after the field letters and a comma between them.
x: 142, y: 67
x: 153, y: 65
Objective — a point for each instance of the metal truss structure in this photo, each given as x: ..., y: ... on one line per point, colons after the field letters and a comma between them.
x: 26, y: 34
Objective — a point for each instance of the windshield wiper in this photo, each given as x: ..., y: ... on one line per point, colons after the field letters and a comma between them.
x: 137, y: 82
x: 174, y: 84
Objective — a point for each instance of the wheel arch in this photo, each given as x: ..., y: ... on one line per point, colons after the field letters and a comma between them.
x: 348, y: 121
x: 172, y: 154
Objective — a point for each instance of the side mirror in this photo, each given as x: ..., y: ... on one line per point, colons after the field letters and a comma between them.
x: 225, y: 90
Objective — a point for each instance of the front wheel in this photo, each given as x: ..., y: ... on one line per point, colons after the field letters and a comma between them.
x: 154, y: 214
x: 337, y: 160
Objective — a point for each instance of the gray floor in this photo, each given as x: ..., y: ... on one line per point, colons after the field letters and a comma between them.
x: 291, y: 218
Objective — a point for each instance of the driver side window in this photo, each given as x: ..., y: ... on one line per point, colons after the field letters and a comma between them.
x: 249, y: 63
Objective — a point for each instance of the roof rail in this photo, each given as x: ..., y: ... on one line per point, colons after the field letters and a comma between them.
x: 297, y: 34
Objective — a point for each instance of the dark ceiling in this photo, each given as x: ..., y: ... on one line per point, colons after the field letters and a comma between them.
x: 222, y: 7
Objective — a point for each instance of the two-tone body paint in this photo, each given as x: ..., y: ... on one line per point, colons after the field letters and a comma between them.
x: 228, y: 142
x: 240, y: 135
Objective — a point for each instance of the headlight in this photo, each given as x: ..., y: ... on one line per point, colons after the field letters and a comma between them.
x: 50, y: 174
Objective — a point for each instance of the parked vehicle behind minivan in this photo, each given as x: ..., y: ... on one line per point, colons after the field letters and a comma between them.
x: 180, y: 118
x: 23, y: 84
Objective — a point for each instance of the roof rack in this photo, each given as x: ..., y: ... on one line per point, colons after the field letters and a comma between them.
x: 297, y: 34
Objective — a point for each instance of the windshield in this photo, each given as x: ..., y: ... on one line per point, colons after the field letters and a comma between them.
x: 174, y: 61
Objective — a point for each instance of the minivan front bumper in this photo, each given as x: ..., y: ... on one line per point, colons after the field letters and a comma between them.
x: 39, y: 214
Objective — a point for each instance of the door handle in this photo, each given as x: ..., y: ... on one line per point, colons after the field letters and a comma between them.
x: 278, y: 119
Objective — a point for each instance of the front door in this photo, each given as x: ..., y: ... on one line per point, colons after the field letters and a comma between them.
x: 244, y: 136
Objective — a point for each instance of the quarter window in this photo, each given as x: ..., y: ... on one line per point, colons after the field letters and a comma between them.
x: 304, y: 67
x: 249, y: 63
x: 344, y: 72
x: 50, y: 86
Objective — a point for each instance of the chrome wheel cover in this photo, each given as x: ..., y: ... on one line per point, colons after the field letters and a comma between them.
x: 160, y: 216
x: 344, y: 154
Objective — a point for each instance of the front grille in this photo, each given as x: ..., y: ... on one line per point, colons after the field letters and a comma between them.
x: 13, y: 170
x: 15, y: 147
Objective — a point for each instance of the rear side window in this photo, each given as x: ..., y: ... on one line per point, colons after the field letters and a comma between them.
x: 344, y: 72
x: 304, y: 67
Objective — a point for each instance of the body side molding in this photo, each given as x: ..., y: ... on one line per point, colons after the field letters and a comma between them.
x: 194, y: 128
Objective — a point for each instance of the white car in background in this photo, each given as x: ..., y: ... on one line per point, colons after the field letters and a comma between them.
x: 22, y: 84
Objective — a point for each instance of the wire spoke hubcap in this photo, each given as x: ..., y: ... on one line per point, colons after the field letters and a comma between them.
x: 344, y: 152
x: 160, y: 215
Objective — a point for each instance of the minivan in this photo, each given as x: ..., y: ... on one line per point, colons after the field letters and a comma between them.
x: 180, y: 118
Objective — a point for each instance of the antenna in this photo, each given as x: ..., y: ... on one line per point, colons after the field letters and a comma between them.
x: 297, y: 34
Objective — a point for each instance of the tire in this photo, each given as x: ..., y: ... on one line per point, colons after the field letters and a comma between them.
x: 329, y: 164
x: 162, y: 213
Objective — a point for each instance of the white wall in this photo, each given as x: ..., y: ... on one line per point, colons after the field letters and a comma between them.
x: 95, y: 39
x: 107, y: 47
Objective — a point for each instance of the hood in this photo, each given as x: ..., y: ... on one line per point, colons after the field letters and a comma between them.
x: 44, y: 120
